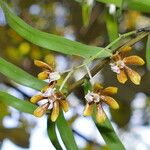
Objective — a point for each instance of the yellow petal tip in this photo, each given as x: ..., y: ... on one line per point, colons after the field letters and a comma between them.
x: 88, y: 110
x: 43, y: 75
x: 115, y: 105
x: 36, y: 98
x: 38, y: 112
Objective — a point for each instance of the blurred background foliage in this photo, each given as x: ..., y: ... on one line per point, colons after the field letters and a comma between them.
x: 89, y: 23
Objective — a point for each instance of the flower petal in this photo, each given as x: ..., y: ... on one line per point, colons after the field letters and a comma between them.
x: 100, y: 114
x: 122, y: 78
x: 65, y: 105
x: 133, y: 75
x: 111, y: 102
x: 88, y: 110
x: 41, y: 110
x: 42, y: 64
x: 55, y: 111
x: 36, y: 98
x: 97, y: 87
x: 110, y: 90
x: 43, y: 75
x: 125, y: 49
x: 134, y: 60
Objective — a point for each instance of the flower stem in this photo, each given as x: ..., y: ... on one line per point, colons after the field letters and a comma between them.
x: 106, y: 49
x: 66, y: 78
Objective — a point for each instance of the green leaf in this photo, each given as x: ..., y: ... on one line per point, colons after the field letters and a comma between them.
x: 19, y: 104
x: 148, y: 52
x: 86, y: 11
x: 112, y: 27
x: 116, y: 2
x: 52, y: 134
x: 139, y: 5
x: 66, y: 133
x: 106, y: 129
x: 18, y: 75
x: 49, y: 41
x: 109, y: 135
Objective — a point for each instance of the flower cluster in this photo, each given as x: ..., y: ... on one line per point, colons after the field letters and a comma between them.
x: 55, y: 99
x: 97, y: 96
x: 120, y: 66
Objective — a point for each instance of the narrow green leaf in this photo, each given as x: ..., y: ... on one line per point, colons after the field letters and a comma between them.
x: 112, y: 27
x: 49, y: 41
x: 52, y: 134
x: 139, y: 5
x: 116, y: 2
x: 18, y: 75
x: 87, y: 6
x: 109, y: 135
x: 106, y: 129
x: 19, y: 104
x: 148, y: 52
x: 66, y: 133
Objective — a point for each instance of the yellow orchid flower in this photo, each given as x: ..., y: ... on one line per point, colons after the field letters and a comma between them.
x: 55, y: 101
x: 97, y: 96
x: 120, y: 66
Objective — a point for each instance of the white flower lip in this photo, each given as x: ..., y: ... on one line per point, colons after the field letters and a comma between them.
x: 49, y: 92
x: 51, y: 104
x: 92, y: 97
x: 53, y: 76
x: 117, y: 66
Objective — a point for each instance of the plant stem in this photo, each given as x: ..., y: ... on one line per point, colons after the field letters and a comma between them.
x: 106, y: 49
x: 65, y: 80
x: 113, y: 43
x: 119, y: 38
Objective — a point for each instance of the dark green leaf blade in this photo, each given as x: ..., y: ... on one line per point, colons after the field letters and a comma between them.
x: 139, y: 5
x: 52, y: 134
x: 19, y: 104
x: 116, y: 2
x: 66, y: 133
x: 148, y: 52
x: 109, y: 135
x: 106, y: 129
x: 18, y: 75
x: 49, y: 41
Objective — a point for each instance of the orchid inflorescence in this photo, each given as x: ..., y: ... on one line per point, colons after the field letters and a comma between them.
x: 94, y: 98
x: 55, y: 99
